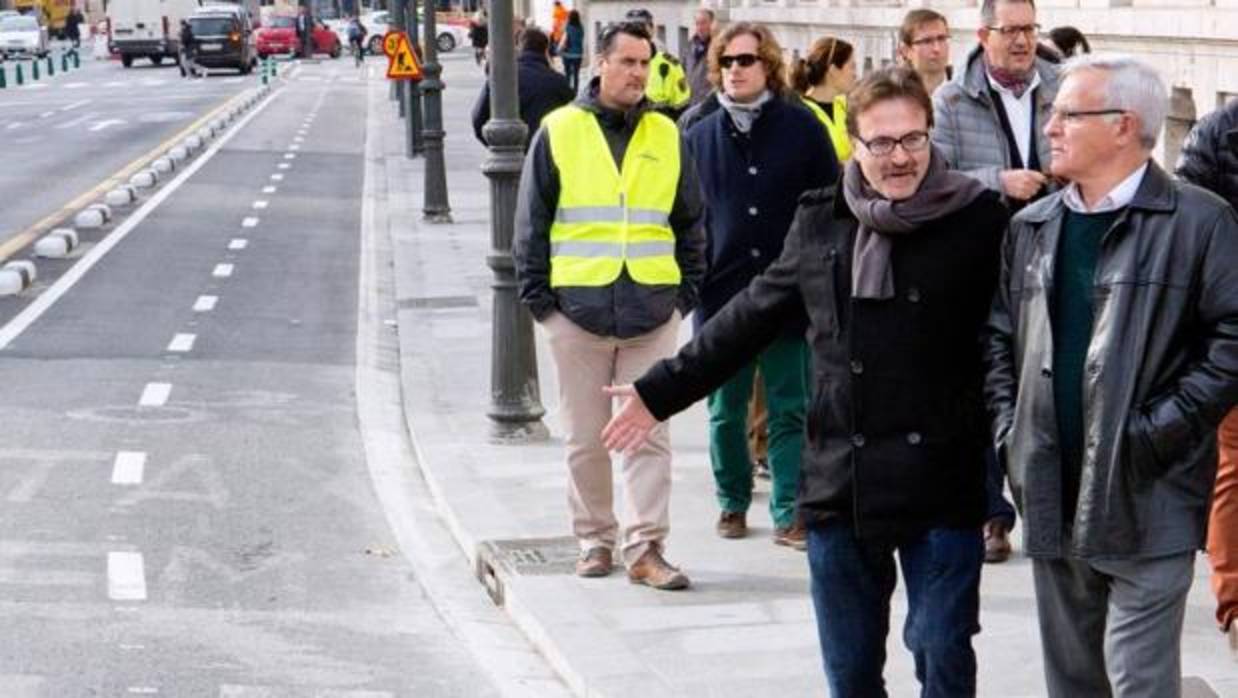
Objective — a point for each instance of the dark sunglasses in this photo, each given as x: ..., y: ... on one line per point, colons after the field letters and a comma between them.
x: 745, y: 60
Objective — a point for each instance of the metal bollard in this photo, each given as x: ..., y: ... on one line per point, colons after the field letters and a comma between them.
x: 20, y: 78
x: 77, y: 58
x: 51, y: 66
x: 34, y: 69
x: 4, y: 76
x: 64, y: 62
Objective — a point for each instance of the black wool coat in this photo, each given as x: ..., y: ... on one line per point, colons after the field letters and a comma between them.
x: 896, y: 427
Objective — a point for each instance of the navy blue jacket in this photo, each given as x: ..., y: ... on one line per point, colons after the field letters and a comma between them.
x: 752, y: 184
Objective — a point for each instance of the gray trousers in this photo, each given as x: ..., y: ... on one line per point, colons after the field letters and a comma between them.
x: 1113, y: 627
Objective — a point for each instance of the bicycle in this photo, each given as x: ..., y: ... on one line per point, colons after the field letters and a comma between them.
x: 357, y: 46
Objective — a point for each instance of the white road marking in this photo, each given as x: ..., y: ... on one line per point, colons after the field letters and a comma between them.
x: 15, y: 124
x: 71, y: 123
x: 100, y: 125
x: 260, y: 204
x: 126, y: 577
x: 222, y: 271
x: 284, y: 165
x: 269, y: 189
x: 46, y: 114
x: 294, y: 147
x: 205, y: 304
x: 143, y: 690
x: 290, y: 156
x: 238, y: 244
x: 75, y: 85
x: 75, y: 105
x: 155, y: 395
x: 128, y: 468
x: 277, y: 177
x: 182, y: 342
x: 250, y: 222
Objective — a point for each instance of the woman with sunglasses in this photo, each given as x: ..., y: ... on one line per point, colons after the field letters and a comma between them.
x: 823, y: 79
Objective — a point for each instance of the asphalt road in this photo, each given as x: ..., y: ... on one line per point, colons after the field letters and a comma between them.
x: 61, y: 135
x: 187, y: 506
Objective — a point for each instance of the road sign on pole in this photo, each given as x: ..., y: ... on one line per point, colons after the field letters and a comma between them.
x: 403, y: 63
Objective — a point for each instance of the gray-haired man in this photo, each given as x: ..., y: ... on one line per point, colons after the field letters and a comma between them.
x: 1116, y: 325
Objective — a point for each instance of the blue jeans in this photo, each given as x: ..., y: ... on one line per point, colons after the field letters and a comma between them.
x: 851, y: 585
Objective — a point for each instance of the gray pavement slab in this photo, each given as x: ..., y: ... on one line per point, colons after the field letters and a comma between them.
x: 746, y: 628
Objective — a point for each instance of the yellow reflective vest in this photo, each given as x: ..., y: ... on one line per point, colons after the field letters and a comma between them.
x: 668, y: 83
x: 836, y: 128
x: 611, y: 218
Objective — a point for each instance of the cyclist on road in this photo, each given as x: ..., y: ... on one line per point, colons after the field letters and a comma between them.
x: 356, y: 38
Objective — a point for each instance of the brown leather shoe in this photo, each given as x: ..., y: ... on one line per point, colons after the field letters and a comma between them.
x: 733, y: 524
x: 652, y: 570
x: 596, y: 562
x: 996, y: 543
x: 793, y: 536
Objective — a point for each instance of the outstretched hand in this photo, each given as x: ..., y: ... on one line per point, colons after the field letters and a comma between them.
x: 629, y: 428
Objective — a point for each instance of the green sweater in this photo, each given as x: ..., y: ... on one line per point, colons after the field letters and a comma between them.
x: 1071, y: 317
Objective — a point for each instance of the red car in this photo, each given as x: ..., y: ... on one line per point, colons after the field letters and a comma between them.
x: 279, y: 35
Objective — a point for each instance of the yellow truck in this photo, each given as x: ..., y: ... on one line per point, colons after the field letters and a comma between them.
x: 52, y: 13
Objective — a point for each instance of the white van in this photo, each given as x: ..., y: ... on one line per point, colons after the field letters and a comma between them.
x: 146, y: 28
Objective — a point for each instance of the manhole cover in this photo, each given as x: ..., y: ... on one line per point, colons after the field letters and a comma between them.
x: 532, y: 556
x: 438, y: 302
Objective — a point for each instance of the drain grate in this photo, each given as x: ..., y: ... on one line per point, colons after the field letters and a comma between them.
x: 497, y: 559
x: 438, y: 302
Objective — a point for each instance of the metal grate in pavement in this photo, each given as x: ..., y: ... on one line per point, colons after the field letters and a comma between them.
x: 498, y: 559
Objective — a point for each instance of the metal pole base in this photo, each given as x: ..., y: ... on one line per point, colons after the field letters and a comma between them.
x: 515, y: 433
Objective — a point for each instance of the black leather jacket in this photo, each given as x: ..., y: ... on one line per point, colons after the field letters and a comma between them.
x: 1161, y: 372
x: 1210, y: 155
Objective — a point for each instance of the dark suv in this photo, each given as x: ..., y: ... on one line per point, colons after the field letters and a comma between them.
x: 222, y: 39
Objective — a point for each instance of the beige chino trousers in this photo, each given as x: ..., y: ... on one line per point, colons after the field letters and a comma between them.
x: 586, y: 362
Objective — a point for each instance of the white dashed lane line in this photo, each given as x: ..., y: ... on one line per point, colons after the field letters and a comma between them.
x: 205, y: 304
x: 222, y: 271
x: 155, y: 395
x: 277, y: 177
x: 260, y: 204
x: 126, y: 576
x: 128, y: 468
x: 250, y: 222
x: 284, y: 165
x: 238, y: 244
x: 290, y: 156
x: 182, y: 342
x: 270, y: 189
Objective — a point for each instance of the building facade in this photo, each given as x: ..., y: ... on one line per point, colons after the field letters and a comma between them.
x: 1193, y: 42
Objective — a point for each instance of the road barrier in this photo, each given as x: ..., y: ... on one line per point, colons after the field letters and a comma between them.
x: 56, y: 244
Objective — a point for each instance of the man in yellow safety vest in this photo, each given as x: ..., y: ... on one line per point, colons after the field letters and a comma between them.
x: 667, y: 86
x: 609, y: 253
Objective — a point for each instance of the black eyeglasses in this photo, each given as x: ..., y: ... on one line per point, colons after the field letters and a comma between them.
x: 912, y: 142
x: 1010, y: 32
x: 1075, y: 115
x: 931, y: 40
x: 745, y: 60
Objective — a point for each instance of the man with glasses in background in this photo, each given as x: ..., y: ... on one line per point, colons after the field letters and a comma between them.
x: 924, y: 46
x: 1113, y: 356
x: 988, y: 120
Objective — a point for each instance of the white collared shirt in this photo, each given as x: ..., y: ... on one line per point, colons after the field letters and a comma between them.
x: 1019, y: 113
x: 1118, y: 197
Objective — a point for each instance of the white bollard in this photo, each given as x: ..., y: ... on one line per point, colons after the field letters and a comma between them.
x: 178, y: 154
x: 16, y: 277
x: 163, y: 166
x: 91, y: 217
x: 205, y: 133
x: 144, y: 179
x: 56, y: 244
x: 120, y: 196
x: 218, y: 125
x: 192, y: 143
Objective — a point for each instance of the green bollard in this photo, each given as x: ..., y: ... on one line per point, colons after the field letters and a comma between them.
x: 21, y: 79
x: 64, y: 62
x: 77, y: 58
x: 34, y: 69
x: 4, y: 76
x: 51, y: 66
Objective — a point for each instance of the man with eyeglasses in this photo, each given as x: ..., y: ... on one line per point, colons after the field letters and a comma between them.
x: 924, y: 45
x: 609, y: 256
x: 896, y: 268
x: 988, y: 121
x: 1113, y: 355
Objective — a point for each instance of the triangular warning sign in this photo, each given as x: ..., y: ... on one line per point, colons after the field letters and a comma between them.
x: 403, y: 63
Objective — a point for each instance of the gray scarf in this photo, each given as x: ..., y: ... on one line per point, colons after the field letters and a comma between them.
x: 744, y: 114
x: 942, y: 192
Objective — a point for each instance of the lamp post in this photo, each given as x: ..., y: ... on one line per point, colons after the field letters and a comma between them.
x: 399, y: 87
x: 515, y: 403
x: 413, y: 143
x: 435, y: 208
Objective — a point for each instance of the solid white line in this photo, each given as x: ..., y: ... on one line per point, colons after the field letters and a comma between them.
x: 250, y: 222
x: 126, y: 577
x: 205, y: 304
x: 53, y: 293
x: 238, y: 244
x: 269, y: 189
x: 128, y: 468
x: 75, y: 105
x: 222, y: 271
x: 155, y: 395
x: 260, y: 204
x: 182, y: 342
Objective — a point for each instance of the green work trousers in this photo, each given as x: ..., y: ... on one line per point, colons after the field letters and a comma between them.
x: 784, y: 368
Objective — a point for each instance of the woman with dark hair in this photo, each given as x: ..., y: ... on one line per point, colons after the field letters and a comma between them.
x: 823, y: 79
x: 572, y: 49
x: 1069, y: 41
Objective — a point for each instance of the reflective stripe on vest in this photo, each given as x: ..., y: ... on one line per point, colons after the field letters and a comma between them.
x: 609, y: 218
x: 835, y: 128
x: 668, y: 83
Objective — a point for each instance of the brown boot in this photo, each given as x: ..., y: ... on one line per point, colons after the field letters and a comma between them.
x: 794, y: 536
x: 596, y: 562
x: 733, y: 524
x: 652, y: 570
x: 996, y: 543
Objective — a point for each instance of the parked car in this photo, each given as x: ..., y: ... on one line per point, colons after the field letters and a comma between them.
x: 280, y: 36
x: 449, y: 35
x: 22, y: 35
x: 224, y: 39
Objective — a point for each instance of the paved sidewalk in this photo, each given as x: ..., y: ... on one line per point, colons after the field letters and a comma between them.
x: 746, y: 628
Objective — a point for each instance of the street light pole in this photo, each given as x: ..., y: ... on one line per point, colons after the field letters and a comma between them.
x: 414, y: 144
x: 399, y: 87
x: 515, y: 402
x: 436, y: 209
